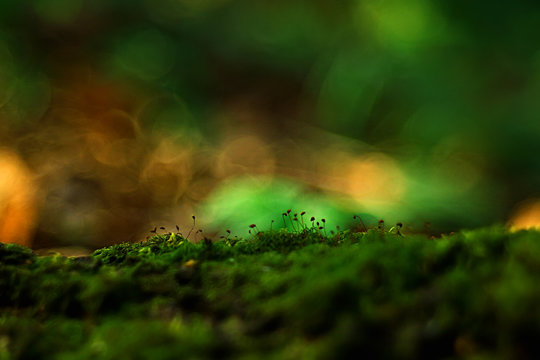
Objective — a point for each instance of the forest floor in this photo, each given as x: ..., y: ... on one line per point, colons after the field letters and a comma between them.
x: 278, y: 295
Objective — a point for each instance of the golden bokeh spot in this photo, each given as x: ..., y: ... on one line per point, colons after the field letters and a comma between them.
x: 112, y: 152
x: 18, y: 200
x: 375, y: 177
x: 245, y: 155
x: 527, y: 216
x: 168, y: 172
x: 372, y: 179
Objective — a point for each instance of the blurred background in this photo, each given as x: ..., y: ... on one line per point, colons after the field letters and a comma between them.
x: 119, y: 116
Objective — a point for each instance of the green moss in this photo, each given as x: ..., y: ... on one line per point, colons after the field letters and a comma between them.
x: 11, y: 254
x: 278, y: 295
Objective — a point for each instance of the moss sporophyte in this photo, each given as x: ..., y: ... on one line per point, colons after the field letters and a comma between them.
x: 278, y: 294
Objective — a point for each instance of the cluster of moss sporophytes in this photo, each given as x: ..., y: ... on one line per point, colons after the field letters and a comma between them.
x: 306, y: 293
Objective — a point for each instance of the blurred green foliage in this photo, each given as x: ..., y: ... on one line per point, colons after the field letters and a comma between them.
x: 448, y: 89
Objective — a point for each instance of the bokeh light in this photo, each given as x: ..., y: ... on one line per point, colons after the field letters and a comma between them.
x: 116, y: 117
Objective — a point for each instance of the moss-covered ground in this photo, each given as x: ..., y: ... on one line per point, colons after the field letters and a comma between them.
x: 278, y: 295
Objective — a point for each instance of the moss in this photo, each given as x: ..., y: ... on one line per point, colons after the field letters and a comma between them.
x: 278, y: 295
x: 12, y: 254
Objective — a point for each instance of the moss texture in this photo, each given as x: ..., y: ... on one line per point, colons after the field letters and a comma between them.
x: 278, y: 295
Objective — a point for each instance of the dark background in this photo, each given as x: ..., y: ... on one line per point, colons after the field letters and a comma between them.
x: 118, y: 116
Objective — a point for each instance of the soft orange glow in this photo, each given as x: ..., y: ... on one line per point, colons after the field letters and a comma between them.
x: 375, y: 177
x: 17, y: 200
x: 527, y: 216
x: 372, y: 179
